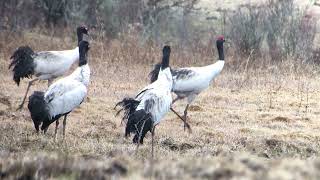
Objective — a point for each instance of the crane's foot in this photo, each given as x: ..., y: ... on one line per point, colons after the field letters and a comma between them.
x: 186, y: 125
x: 20, y: 107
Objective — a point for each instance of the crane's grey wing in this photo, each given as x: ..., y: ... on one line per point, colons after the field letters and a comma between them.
x: 195, y: 79
x: 64, y: 96
x: 48, y: 62
x: 157, y: 102
x: 55, y: 90
x: 185, y: 79
x: 182, y: 73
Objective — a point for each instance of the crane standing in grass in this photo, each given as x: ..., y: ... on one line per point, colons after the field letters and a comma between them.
x: 62, y: 96
x: 148, y: 108
x: 191, y: 81
x: 45, y: 65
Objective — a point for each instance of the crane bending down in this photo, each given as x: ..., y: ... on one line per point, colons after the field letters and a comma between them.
x: 191, y: 81
x: 62, y: 96
x: 148, y: 108
x: 45, y: 65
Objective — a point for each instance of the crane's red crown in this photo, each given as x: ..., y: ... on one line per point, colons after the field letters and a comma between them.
x: 220, y: 37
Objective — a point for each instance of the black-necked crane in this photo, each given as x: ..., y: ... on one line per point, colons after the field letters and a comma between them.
x: 148, y: 108
x: 191, y: 81
x: 62, y: 96
x: 45, y: 65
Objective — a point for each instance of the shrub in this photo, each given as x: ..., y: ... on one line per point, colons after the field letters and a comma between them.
x: 289, y: 34
x: 246, y: 30
x: 276, y: 27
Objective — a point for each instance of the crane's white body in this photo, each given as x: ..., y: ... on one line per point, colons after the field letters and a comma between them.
x: 45, y: 65
x: 195, y: 80
x: 52, y: 64
x: 156, y: 98
x: 68, y: 93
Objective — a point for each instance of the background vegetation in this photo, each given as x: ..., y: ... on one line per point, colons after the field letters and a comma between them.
x: 273, y: 31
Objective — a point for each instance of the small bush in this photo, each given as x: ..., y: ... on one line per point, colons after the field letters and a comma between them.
x: 289, y: 34
x: 276, y: 27
x: 246, y: 30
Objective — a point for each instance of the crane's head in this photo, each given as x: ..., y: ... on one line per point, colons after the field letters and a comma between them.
x: 220, y: 41
x: 82, y: 30
x: 166, y: 50
x: 220, y: 38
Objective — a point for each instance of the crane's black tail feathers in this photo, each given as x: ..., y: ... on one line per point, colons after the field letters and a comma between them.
x: 39, y: 110
x: 140, y: 122
x: 22, y: 62
x: 155, y: 72
x: 128, y: 105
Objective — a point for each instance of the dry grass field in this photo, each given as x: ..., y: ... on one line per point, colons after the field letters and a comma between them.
x: 255, y: 123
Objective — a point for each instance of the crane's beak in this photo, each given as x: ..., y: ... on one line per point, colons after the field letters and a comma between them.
x: 87, y: 31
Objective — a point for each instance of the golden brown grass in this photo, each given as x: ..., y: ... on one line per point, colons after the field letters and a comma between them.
x: 259, y: 124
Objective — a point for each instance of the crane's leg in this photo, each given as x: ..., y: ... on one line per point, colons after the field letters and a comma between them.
x: 183, y: 119
x: 45, y: 130
x: 139, y: 135
x: 152, y: 151
x: 176, y: 99
x: 64, y: 126
x: 25, y: 95
x: 50, y: 82
x: 56, y: 130
x: 185, y: 116
x: 152, y: 143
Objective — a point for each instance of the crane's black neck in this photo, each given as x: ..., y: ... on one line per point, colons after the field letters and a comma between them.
x: 165, y: 62
x: 83, y: 58
x: 80, y: 36
x: 83, y: 51
x: 220, y: 49
x: 165, y: 58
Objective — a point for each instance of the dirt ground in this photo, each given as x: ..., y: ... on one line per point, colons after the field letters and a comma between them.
x: 254, y: 124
